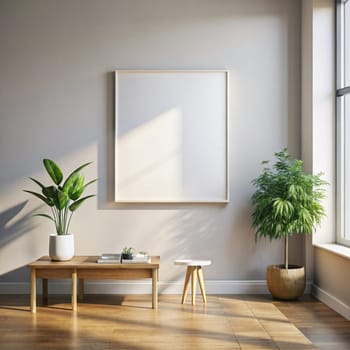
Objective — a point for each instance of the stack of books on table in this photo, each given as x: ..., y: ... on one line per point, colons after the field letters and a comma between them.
x: 138, y: 259
x: 109, y: 259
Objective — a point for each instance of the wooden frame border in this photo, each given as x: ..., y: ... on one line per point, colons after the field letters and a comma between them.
x: 199, y: 201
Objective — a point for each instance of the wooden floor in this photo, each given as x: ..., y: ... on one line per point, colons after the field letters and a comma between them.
x: 226, y: 322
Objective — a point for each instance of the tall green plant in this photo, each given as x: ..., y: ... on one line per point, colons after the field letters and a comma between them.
x: 62, y: 197
x: 286, y: 200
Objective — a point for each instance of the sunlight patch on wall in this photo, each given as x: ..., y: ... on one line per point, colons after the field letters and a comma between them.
x: 156, y: 145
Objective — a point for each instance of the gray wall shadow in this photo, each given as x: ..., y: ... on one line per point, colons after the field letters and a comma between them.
x: 9, y: 230
x: 12, y: 228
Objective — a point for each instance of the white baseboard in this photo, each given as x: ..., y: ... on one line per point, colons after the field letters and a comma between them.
x: 220, y: 287
x: 331, y: 301
x: 139, y: 287
x: 143, y: 287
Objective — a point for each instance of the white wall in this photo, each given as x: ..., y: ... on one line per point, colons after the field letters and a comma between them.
x: 56, y: 100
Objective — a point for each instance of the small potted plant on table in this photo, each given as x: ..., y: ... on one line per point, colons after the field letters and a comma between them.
x: 287, y: 201
x: 128, y: 253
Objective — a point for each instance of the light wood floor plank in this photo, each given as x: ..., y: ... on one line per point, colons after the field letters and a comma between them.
x: 225, y: 322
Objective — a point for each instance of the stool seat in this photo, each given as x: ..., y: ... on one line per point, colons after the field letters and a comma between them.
x: 191, y: 262
x: 194, y: 270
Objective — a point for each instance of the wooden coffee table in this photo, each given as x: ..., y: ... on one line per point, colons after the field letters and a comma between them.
x: 85, y: 267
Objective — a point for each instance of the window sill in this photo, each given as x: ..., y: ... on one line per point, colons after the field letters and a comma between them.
x: 335, y: 248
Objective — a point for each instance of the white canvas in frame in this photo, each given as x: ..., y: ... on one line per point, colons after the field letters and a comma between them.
x: 171, y: 137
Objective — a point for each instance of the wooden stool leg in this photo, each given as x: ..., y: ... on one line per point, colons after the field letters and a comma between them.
x: 187, y: 283
x: 194, y: 282
x: 201, y: 283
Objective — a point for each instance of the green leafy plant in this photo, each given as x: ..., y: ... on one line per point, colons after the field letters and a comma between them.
x: 287, y: 201
x: 62, y: 197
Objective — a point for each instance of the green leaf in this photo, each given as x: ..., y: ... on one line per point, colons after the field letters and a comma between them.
x: 61, y: 199
x: 89, y: 183
x: 53, y: 170
x: 74, y: 187
x: 44, y: 199
x: 76, y: 171
x: 50, y: 192
x: 37, y: 182
x: 45, y: 216
x: 74, y: 206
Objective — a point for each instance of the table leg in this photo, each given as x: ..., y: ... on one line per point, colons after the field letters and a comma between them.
x: 74, y: 290
x: 81, y: 289
x: 45, y: 290
x: 33, y: 290
x: 194, y: 281
x: 154, y: 289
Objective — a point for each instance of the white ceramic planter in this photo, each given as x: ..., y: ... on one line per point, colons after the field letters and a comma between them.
x: 61, y: 247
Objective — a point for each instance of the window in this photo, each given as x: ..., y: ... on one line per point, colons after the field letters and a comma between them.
x: 343, y: 119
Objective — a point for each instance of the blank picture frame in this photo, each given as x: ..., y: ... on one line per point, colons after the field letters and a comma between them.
x: 171, y: 136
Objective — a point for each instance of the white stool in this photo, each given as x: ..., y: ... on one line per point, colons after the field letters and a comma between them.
x: 194, y: 268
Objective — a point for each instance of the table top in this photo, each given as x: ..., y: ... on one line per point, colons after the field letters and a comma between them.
x: 86, y: 262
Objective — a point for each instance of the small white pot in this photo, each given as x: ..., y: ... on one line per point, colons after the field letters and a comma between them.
x: 61, y: 247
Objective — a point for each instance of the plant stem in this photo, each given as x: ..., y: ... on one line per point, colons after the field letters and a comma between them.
x: 59, y: 221
x: 65, y: 228
x: 54, y: 215
x: 70, y: 217
x: 286, y: 252
x: 60, y: 212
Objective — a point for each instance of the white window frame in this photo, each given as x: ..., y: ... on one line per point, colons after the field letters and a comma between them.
x: 343, y: 237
